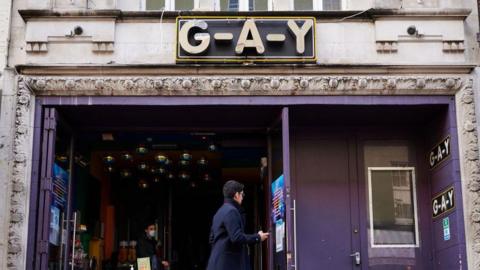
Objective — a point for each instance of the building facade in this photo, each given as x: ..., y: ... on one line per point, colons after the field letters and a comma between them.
x: 5, y: 101
x: 363, y: 113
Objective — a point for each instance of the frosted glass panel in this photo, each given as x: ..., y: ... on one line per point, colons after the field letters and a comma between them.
x: 229, y: 5
x: 258, y: 4
x: 392, y: 206
x: 332, y: 5
x: 183, y: 4
x: 303, y: 4
x: 155, y: 4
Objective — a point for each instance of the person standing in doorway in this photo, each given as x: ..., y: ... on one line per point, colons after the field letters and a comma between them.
x: 147, y: 248
x: 227, y: 236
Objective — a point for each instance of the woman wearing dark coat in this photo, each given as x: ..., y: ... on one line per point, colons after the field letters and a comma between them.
x: 227, y: 237
x: 147, y: 248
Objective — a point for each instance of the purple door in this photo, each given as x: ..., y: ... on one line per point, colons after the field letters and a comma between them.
x: 53, y: 228
x: 281, y: 242
x: 356, y: 200
x: 45, y: 191
x: 324, y: 170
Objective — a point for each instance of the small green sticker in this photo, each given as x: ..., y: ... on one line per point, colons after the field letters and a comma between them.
x: 446, y: 223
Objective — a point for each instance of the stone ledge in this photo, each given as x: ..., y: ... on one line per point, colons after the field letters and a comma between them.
x: 242, y: 85
x: 371, y: 14
x: 231, y: 70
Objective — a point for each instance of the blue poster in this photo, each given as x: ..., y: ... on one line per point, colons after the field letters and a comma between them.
x: 60, y: 185
x: 278, y: 211
x: 54, y: 234
x: 59, y: 202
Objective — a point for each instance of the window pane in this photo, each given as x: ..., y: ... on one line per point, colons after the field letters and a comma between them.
x: 332, y: 5
x: 183, y: 4
x: 392, y: 207
x: 258, y: 4
x: 155, y: 4
x: 303, y: 4
x: 229, y: 5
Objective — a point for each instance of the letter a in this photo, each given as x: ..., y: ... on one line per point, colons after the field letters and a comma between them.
x: 255, y: 42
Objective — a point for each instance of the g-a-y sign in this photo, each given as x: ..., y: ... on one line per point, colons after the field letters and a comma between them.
x: 439, y: 153
x: 443, y: 202
x: 245, y: 39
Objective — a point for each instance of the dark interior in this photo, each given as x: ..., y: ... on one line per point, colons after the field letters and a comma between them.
x: 182, y: 199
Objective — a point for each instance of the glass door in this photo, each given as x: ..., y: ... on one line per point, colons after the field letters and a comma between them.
x: 391, y: 232
x: 281, y: 242
x: 55, y: 225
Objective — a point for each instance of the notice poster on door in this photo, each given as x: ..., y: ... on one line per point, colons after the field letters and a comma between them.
x: 54, y: 234
x: 278, y: 212
x: 59, y: 201
x: 60, y: 184
x: 143, y: 263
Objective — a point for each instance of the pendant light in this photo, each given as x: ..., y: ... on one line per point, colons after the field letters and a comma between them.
x: 161, y: 158
x: 170, y: 176
x: 143, y: 184
x: 109, y: 169
x: 125, y: 173
x: 186, y: 156
x: 108, y: 159
x: 202, y: 162
x: 212, y: 147
x: 141, y: 149
x: 184, y: 163
x: 184, y: 175
x: 142, y: 166
x: 127, y: 157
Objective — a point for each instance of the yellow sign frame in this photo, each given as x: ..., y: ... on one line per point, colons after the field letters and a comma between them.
x: 247, y: 60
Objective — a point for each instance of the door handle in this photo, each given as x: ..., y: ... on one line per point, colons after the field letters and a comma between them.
x: 356, y: 256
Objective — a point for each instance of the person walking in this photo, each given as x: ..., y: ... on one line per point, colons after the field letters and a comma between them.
x: 227, y: 236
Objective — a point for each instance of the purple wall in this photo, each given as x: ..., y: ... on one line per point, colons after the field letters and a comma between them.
x: 449, y: 254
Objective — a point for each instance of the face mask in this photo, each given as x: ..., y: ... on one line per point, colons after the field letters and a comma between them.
x: 151, y: 233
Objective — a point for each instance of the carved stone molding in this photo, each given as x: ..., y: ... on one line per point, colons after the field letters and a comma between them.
x: 469, y: 156
x: 387, y: 46
x: 453, y: 46
x: 245, y: 85
x: 19, y: 179
x: 36, y: 47
x: 102, y: 46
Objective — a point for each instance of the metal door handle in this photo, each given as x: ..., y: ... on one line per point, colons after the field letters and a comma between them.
x: 356, y: 255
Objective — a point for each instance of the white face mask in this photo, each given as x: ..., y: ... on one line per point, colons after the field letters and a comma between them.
x: 151, y: 233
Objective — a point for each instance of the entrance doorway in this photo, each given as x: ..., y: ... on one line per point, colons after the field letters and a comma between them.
x: 355, y: 188
x: 115, y: 171
x: 361, y: 187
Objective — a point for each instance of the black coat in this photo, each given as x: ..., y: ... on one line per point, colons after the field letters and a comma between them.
x: 147, y: 247
x: 228, y: 239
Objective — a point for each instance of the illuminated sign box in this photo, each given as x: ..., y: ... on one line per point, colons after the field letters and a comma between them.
x: 245, y: 39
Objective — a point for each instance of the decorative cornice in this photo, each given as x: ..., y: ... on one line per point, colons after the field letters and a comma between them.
x: 18, y: 196
x: 344, y: 15
x: 469, y: 156
x: 245, y: 85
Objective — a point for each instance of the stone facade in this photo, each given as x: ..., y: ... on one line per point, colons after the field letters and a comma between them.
x: 363, y: 50
x: 6, y: 111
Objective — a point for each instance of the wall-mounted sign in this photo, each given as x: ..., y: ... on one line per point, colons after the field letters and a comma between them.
x: 443, y: 202
x: 278, y: 211
x: 245, y: 39
x: 439, y: 153
x: 446, y: 229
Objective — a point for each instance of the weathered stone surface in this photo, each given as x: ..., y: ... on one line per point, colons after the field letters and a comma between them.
x: 19, y: 177
x: 244, y: 85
